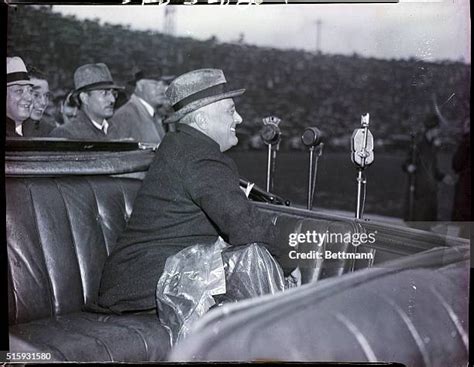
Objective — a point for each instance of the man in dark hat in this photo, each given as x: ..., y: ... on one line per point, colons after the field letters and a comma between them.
x: 19, y: 96
x: 139, y: 119
x: 95, y: 93
x: 423, y: 164
x: 191, y: 194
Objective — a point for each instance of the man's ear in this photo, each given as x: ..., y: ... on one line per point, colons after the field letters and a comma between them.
x: 84, y: 98
x: 139, y: 86
x: 201, y: 120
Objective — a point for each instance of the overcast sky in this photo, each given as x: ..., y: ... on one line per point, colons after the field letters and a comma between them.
x: 428, y: 30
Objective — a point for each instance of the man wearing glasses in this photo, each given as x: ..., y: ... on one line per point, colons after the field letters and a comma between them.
x: 38, y: 125
x: 95, y: 93
x: 19, y: 97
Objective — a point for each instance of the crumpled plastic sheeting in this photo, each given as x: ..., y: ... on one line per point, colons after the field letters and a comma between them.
x: 184, y: 290
x: 193, y: 276
x: 250, y: 272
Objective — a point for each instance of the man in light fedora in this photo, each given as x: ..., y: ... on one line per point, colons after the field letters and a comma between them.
x: 95, y: 93
x: 190, y: 196
x: 19, y: 96
x: 139, y: 119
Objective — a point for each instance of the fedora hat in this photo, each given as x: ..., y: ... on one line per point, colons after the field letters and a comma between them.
x: 148, y: 74
x: 196, y: 89
x: 16, y: 72
x: 91, y: 77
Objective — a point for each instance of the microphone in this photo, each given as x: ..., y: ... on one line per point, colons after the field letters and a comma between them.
x: 312, y: 136
x: 271, y: 136
x: 270, y: 132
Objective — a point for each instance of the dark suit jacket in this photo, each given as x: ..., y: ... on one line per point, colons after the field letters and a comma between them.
x: 462, y: 195
x: 81, y: 128
x: 10, y: 127
x: 190, y: 195
x: 132, y: 120
x: 33, y: 128
x: 427, y: 177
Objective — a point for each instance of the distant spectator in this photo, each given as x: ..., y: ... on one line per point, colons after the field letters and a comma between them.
x: 462, y: 166
x: 139, y: 119
x: 95, y: 92
x: 37, y: 125
x: 19, y: 96
x: 427, y: 174
x: 67, y: 108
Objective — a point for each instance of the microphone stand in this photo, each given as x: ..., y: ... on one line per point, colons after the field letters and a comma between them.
x: 271, y: 136
x: 310, y: 178
x: 362, y: 144
x: 312, y: 185
x: 312, y: 138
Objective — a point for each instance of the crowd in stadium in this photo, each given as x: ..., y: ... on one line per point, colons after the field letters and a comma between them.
x: 300, y: 87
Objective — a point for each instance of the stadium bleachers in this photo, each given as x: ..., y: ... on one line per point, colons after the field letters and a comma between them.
x: 302, y: 88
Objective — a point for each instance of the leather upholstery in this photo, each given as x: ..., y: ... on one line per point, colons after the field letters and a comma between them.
x: 59, y: 233
x: 60, y: 230
x: 86, y: 337
x: 315, y: 270
x: 413, y: 312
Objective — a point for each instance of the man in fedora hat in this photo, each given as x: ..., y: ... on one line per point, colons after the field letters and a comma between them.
x: 95, y: 93
x: 139, y: 119
x: 19, y: 96
x: 190, y: 196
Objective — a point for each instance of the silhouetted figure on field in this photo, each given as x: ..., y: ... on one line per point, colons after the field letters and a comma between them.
x: 421, y: 204
x: 461, y: 164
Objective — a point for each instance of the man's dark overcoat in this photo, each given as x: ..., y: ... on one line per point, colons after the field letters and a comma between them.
x: 10, y: 128
x: 41, y: 128
x: 461, y: 164
x: 133, y: 121
x: 81, y: 128
x: 190, y: 195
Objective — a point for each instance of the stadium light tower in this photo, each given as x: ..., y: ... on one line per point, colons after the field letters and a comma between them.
x: 170, y: 21
x: 318, y: 35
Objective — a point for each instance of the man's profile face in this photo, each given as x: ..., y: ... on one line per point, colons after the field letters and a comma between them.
x: 222, y: 118
x: 153, y: 91
x: 41, y: 98
x: 68, y: 111
x: 99, y: 104
x: 19, y: 100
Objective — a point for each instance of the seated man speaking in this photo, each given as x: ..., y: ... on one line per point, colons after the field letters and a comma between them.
x: 190, y: 196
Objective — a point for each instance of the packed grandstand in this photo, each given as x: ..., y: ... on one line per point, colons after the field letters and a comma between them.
x: 302, y: 88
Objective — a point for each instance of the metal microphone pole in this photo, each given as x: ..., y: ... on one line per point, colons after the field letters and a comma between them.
x: 269, y: 165
x: 311, y: 138
x: 271, y: 136
x: 310, y: 178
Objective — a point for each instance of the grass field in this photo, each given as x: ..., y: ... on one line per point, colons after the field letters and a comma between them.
x: 336, y: 186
